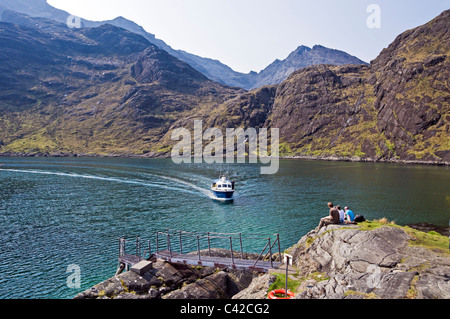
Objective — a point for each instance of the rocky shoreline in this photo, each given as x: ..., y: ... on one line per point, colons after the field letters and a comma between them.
x: 333, y: 158
x: 366, y: 160
x: 166, y: 280
x: 371, y: 260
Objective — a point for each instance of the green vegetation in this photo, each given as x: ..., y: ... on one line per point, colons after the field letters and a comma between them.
x: 412, y: 291
x: 440, y: 141
x: 371, y: 295
x: 280, y: 283
x: 376, y: 223
x: 294, y: 281
x: 430, y: 240
x: 285, y: 149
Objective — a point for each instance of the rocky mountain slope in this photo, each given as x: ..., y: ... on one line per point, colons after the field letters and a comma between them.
x: 300, y: 58
x: 34, y: 8
x: 397, y: 108
x: 106, y: 90
x: 97, y: 90
x: 275, y: 73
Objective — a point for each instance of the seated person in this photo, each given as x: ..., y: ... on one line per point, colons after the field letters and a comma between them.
x: 350, y: 216
x: 333, y: 218
x: 341, y: 214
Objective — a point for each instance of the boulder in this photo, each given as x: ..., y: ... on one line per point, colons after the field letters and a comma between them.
x: 257, y: 289
x: 211, y: 287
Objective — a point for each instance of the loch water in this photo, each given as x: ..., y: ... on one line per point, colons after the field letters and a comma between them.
x: 59, y: 212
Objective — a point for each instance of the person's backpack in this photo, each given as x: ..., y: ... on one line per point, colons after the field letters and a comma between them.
x: 359, y: 218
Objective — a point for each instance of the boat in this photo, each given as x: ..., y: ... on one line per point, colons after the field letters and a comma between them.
x: 223, y: 188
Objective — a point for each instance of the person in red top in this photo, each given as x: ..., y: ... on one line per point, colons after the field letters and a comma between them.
x: 333, y: 218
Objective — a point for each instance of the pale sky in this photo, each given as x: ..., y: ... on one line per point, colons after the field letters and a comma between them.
x: 250, y: 34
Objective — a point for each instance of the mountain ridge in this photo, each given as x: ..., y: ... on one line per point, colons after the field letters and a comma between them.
x: 213, y: 69
x: 395, y: 109
x: 96, y: 90
x: 301, y: 57
x: 108, y: 91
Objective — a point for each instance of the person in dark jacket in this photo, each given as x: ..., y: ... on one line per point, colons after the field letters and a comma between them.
x: 333, y: 218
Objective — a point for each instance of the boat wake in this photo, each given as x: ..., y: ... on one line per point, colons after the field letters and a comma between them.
x: 188, y: 184
x: 225, y: 200
x: 200, y: 190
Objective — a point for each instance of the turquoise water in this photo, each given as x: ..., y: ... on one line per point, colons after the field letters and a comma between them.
x: 57, y: 212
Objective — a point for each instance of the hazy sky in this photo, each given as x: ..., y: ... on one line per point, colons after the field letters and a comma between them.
x: 250, y: 34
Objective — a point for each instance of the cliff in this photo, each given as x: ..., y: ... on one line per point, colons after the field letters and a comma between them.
x: 397, y: 108
x: 373, y: 259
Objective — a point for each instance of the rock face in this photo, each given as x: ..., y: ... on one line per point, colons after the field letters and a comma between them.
x: 378, y: 263
x: 257, y: 289
x: 340, y: 262
x: 395, y: 109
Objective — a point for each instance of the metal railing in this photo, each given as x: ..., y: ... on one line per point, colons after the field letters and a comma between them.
x: 174, y: 241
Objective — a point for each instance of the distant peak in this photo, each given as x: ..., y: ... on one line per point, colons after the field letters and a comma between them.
x: 319, y: 47
x: 301, y: 49
x: 120, y: 18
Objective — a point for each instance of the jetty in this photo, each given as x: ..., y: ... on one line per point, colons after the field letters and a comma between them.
x: 171, y: 246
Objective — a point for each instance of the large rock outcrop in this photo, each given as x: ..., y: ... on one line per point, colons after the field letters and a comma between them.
x: 352, y: 261
x: 394, y: 109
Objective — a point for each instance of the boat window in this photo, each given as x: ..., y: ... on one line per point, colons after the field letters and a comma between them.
x: 219, y: 185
